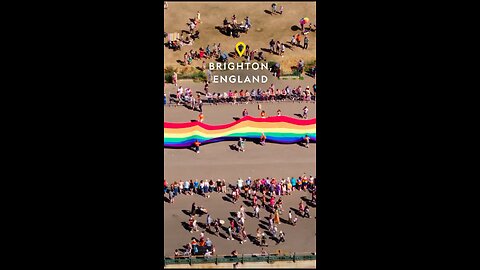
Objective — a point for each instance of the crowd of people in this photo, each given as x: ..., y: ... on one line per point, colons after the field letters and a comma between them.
x: 262, y: 193
x: 232, y: 28
x: 185, y: 96
x: 248, y: 187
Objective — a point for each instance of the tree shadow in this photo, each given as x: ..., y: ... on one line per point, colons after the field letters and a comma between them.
x: 268, y: 12
x: 295, y: 28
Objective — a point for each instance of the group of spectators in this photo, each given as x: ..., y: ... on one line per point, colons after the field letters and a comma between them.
x: 261, y: 192
x: 185, y: 96
x: 248, y: 188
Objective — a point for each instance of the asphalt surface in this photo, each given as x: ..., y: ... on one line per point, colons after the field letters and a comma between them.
x: 217, y: 160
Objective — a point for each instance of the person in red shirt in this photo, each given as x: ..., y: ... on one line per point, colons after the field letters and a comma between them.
x: 263, y: 139
x: 201, y: 117
x: 262, y: 114
x: 197, y: 146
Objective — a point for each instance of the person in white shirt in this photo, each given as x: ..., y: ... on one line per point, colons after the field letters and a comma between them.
x: 239, y: 183
x: 257, y: 211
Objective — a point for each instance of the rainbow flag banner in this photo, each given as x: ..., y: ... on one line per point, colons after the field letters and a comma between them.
x: 277, y: 129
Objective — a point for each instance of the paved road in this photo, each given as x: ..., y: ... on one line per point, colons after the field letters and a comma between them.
x: 217, y: 160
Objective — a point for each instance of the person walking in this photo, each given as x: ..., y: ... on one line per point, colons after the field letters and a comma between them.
x: 170, y: 196
x: 197, y: 146
x: 305, y: 112
x: 174, y: 78
x: 209, y: 221
x: 257, y: 211
x: 281, y: 237
x: 194, y: 207
x: 272, y: 46
x: 306, y: 212
x: 274, y: 9
x: 306, y: 139
x: 230, y: 236
x: 305, y: 43
x: 277, y: 217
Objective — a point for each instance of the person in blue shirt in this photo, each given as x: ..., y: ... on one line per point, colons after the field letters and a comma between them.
x: 209, y: 244
x: 195, y: 185
x: 294, y: 182
x: 205, y: 188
